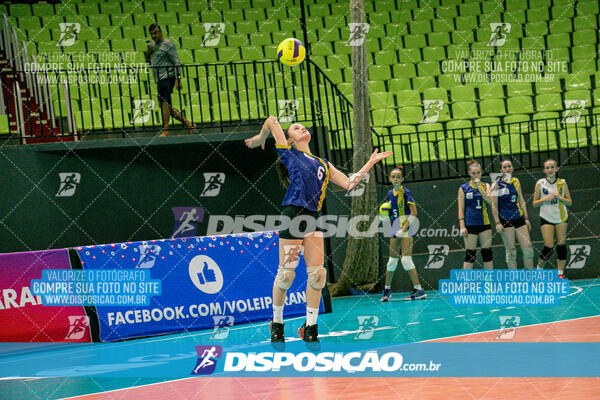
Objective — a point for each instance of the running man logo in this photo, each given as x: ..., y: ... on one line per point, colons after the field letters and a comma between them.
x: 142, y: 111
x: 579, y: 255
x: 205, y: 274
x: 359, y: 189
x: 573, y: 110
x: 500, y: 31
x: 432, y: 110
x: 287, y: 111
x: 437, y: 255
x: 68, y: 183
x: 222, y: 325
x: 148, y: 254
x: 186, y: 221
x: 358, y: 33
x: 212, y: 37
x: 212, y: 184
x: 77, y: 327
x: 508, y: 326
x: 68, y: 33
x: 291, y: 254
x: 207, y: 359
x: 366, y: 326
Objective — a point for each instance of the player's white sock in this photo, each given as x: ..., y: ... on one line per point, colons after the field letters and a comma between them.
x: 418, y: 287
x: 278, y: 314
x: 388, y: 287
x: 311, y: 316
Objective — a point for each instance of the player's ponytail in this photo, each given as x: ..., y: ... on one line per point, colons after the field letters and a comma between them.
x: 284, y: 175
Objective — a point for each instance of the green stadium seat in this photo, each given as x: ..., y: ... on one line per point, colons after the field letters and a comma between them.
x: 548, y: 102
x: 379, y: 18
x: 587, y: 8
x: 134, y: 32
x: 538, y: 14
x: 516, y: 18
x: 122, y: 45
x: 144, y: 19
x: 517, y: 123
x: 435, y: 94
x: 462, y: 38
x: 543, y: 141
x: 449, y: 81
x: 409, y: 56
x: 520, y: 105
x: 255, y: 14
x: 167, y: 18
x: 431, y: 132
x: 540, y: 3
x: 544, y: 121
x: 595, y: 133
x: 562, y: 25
x: 428, y: 68
x: 434, y: 54
x: 19, y: 10
x: 443, y: 25
x: 384, y: 57
x: 596, y: 97
x: 399, y: 156
x: 464, y: 110
x: 43, y: 9
x: 466, y: 9
x: 423, y: 82
x: 467, y: 23
x: 488, y: 126
x: 419, y: 27
x: 537, y: 42
x: 514, y: 5
x: 410, y: 115
x: 375, y: 86
x: 447, y: 13
x: 582, y: 37
x: 537, y: 28
x: 188, y: 17
x: 318, y: 10
x: 385, y: 5
x: 232, y: 15
x: 191, y: 42
x: 88, y: 9
x: 37, y: 35
x: 397, y: 84
x: 404, y: 134
x: 451, y: 149
x: 408, y: 98
x: 228, y: 54
x: 512, y: 144
x: 573, y: 137
x: 415, y: 41
x: 583, y: 52
x: 492, y: 108
x: 29, y: 22
x: 558, y: 40
x: 491, y: 91
x: 178, y: 31
x: 110, y: 32
x: 438, y: 39
x: 423, y: 14
x: 403, y: 70
x: 584, y: 22
x: 210, y: 15
x: 548, y: 87
x: 579, y: 95
x: 459, y: 129
x: 237, y: 40
x: 462, y: 93
x: 380, y: 72
x: 333, y: 21
x: 563, y: 11
x: 379, y: 100
x: 519, y: 89
x: 384, y: 117
x: 98, y: 20
x: 251, y: 53
x: 482, y: 146
x: 422, y: 152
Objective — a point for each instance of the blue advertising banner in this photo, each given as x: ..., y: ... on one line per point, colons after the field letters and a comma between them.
x: 204, y: 281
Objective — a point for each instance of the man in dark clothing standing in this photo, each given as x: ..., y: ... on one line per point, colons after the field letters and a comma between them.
x: 166, y: 70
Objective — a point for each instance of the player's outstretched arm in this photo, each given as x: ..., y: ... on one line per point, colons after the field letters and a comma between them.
x: 340, y: 179
x: 271, y: 126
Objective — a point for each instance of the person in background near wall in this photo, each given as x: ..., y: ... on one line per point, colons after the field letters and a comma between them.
x: 166, y: 70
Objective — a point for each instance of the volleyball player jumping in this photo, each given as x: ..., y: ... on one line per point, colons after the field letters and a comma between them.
x: 511, y: 217
x: 305, y: 176
x: 400, y: 208
x: 551, y: 196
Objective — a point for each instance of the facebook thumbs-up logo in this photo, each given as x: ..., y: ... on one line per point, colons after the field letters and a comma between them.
x: 205, y: 274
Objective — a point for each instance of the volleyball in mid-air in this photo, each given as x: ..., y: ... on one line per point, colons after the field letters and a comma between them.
x: 291, y: 52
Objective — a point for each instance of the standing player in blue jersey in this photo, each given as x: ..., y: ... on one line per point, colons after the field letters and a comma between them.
x: 473, y: 217
x: 305, y: 177
x: 510, y: 212
x: 401, y: 209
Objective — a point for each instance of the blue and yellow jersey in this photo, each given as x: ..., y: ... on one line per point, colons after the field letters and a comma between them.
x: 476, y: 212
x: 399, y: 201
x: 309, y: 175
x: 508, y: 199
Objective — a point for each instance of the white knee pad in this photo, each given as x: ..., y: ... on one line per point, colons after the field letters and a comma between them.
x: 317, y: 277
x: 407, y: 263
x: 511, y: 258
x: 392, y: 264
x: 284, y: 278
